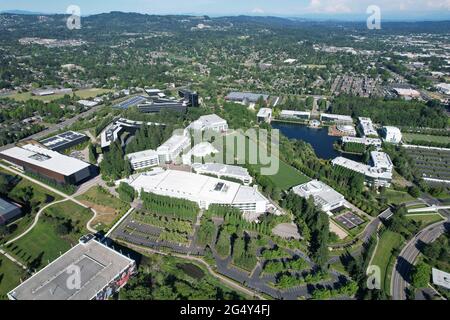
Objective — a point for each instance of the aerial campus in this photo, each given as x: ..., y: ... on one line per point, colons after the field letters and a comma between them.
x: 192, y: 157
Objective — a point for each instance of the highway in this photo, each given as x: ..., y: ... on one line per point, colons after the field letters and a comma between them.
x: 408, y: 256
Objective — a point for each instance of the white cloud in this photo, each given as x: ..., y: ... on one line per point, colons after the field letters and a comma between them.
x: 258, y: 11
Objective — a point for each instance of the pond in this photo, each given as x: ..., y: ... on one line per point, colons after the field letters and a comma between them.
x: 317, y: 137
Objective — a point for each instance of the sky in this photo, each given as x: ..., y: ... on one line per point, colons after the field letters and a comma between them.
x: 390, y: 9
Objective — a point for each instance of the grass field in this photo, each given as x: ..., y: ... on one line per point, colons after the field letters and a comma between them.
x: 426, y: 219
x: 409, y: 137
x: 40, y: 198
x: 44, y: 244
x: 108, y: 207
x: 82, y: 94
x: 398, y: 197
x: 384, y: 258
x: 10, y: 275
x: 285, y: 178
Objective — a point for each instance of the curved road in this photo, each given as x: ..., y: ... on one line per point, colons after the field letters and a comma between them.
x: 406, y: 259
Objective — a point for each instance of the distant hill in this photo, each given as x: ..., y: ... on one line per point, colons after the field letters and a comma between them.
x: 24, y: 12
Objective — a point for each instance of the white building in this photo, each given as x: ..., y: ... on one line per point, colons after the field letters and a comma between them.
x: 327, y: 117
x: 203, y: 190
x: 49, y: 164
x: 367, y: 128
x: 143, y: 159
x: 299, y: 115
x: 346, y: 129
x: 407, y: 93
x: 209, y: 122
x: 265, y: 115
x: 378, y: 175
x: 87, y: 103
x: 172, y: 148
x: 201, y: 150
x: 325, y: 197
x: 365, y: 141
x: 224, y: 170
x: 391, y: 134
x: 444, y: 88
x: 381, y: 160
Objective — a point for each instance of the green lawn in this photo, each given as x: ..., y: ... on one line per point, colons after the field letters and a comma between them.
x: 82, y: 94
x: 286, y: 176
x: 383, y: 256
x: 10, y: 275
x: 425, y: 220
x: 408, y: 137
x: 41, y: 197
x: 44, y: 244
x: 398, y: 197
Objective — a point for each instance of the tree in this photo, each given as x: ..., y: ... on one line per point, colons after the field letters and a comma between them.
x: 126, y: 192
x: 420, y: 276
x: 414, y: 191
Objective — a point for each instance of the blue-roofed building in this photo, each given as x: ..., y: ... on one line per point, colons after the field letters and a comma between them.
x: 8, y: 212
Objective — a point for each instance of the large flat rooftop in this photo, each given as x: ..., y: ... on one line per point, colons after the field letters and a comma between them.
x: 98, y: 266
x: 47, y: 159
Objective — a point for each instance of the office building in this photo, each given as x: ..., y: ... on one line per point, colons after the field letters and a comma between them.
x: 64, y: 141
x: 326, y: 198
x: 391, y: 134
x: 102, y: 270
x: 49, y: 164
x: 144, y: 159
x: 9, y: 212
x: 224, y: 171
x: 367, y: 128
x: 210, y: 122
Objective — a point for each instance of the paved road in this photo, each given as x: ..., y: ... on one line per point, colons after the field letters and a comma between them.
x: 409, y: 254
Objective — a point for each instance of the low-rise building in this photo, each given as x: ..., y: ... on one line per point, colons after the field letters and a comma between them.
x: 378, y: 175
x: 87, y: 103
x: 391, y: 134
x: 49, y: 164
x: 444, y: 88
x: 203, y: 190
x: 297, y: 115
x: 407, y: 93
x: 367, y: 128
x: 102, y: 270
x: 144, y: 159
x: 365, y: 141
x: 172, y: 148
x: 8, y: 212
x: 246, y: 97
x: 346, y: 129
x: 209, y: 122
x: 224, y: 171
x: 64, y: 141
x: 381, y: 160
x: 325, y: 197
x: 336, y: 118
x: 264, y: 115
